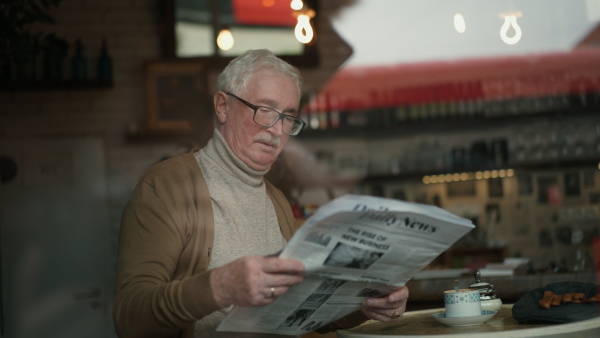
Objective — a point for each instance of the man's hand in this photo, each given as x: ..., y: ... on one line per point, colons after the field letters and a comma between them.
x: 254, y: 280
x: 386, y: 309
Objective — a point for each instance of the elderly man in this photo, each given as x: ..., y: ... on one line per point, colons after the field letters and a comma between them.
x: 198, y: 231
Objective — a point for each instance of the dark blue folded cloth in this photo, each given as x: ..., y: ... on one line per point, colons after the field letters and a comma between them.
x: 528, y: 311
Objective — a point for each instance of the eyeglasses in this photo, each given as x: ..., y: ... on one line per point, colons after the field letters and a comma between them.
x: 267, y: 117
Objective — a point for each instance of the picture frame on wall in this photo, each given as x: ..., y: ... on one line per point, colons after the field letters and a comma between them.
x: 588, y: 179
x: 572, y: 184
x: 495, y: 187
x: 493, y: 214
x: 547, y: 190
x: 461, y: 189
x: 525, y: 185
x: 177, y: 97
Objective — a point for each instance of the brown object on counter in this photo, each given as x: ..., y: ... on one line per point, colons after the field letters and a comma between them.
x: 568, y: 297
x: 546, y: 300
x: 556, y: 300
x: 594, y: 299
x: 578, y: 297
x: 550, y: 299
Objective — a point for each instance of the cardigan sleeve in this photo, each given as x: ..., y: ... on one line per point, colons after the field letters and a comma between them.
x: 149, y: 302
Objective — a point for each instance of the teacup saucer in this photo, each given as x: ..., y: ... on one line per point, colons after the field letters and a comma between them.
x: 464, y: 321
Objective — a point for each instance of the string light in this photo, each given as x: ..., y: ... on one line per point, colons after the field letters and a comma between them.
x: 479, y: 175
x: 297, y: 5
x: 225, y: 40
x: 303, y: 31
x: 510, y: 20
x: 459, y: 23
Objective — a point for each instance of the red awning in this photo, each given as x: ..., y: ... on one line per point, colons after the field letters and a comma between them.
x: 264, y: 13
x: 487, y: 79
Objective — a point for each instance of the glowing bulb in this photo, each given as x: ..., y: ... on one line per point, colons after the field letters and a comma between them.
x: 225, y: 39
x: 296, y: 5
x: 510, y: 20
x: 304, y: 32
x: 268, y: 3
x: 459, y: 23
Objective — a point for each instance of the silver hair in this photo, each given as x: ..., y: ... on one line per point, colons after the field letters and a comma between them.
x: 235, y: 76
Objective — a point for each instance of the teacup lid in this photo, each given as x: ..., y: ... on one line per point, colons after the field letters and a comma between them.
x: 485, y: 289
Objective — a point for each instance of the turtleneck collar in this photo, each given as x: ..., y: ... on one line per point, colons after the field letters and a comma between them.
x: 219, y: 151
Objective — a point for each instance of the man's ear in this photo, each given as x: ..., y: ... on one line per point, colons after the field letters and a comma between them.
x: 221, y: 106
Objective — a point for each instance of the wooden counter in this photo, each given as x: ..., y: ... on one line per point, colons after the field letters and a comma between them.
x: 421, y: 324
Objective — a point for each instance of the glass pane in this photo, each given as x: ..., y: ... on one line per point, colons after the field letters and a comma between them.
x: 280, y: 41
x: 259, y: 28
x: 193, y: 39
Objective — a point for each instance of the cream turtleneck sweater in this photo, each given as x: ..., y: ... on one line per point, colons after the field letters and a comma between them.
x: 245, y: 220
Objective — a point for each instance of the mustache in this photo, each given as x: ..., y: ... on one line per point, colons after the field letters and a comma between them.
x: 268, y: 138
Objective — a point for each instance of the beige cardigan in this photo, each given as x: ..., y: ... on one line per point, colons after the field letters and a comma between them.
x: 166, y: 237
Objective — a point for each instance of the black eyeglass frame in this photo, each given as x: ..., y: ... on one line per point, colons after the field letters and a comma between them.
x: 281, y: 115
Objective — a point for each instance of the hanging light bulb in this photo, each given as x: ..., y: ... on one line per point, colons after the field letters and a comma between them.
x: 304, y: 32
x: 510, y: 20
x: 296, y: 5
x: 459, y: 23
x: 225, y: 39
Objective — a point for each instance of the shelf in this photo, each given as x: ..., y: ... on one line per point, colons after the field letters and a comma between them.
x: 469, y: 124
x: 55, y: 85
x: 439, y: 125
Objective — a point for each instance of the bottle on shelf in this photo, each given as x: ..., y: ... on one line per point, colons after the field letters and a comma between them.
x: 78, y: 63
x: 313, y: 112
x: 105, y: 72
x: 334, y: 113
x: 322, y: 111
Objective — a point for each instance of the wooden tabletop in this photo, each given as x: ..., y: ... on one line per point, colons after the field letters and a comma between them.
x: 421, y: 324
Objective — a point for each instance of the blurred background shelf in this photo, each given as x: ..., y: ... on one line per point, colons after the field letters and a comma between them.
x: 386, y: 125
x: 55, y: 85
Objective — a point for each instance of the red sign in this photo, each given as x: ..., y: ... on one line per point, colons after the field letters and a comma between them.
x: 577, y: 71
x: 264, y: 13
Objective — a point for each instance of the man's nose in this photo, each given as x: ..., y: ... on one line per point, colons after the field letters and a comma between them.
x: 277, y: 128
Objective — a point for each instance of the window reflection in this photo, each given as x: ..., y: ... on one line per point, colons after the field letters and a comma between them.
x: 253, y: 24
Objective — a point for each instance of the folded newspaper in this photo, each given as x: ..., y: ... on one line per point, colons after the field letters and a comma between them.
x: 353, y: 248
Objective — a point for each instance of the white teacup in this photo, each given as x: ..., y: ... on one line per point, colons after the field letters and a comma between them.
x: 464, y: 303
